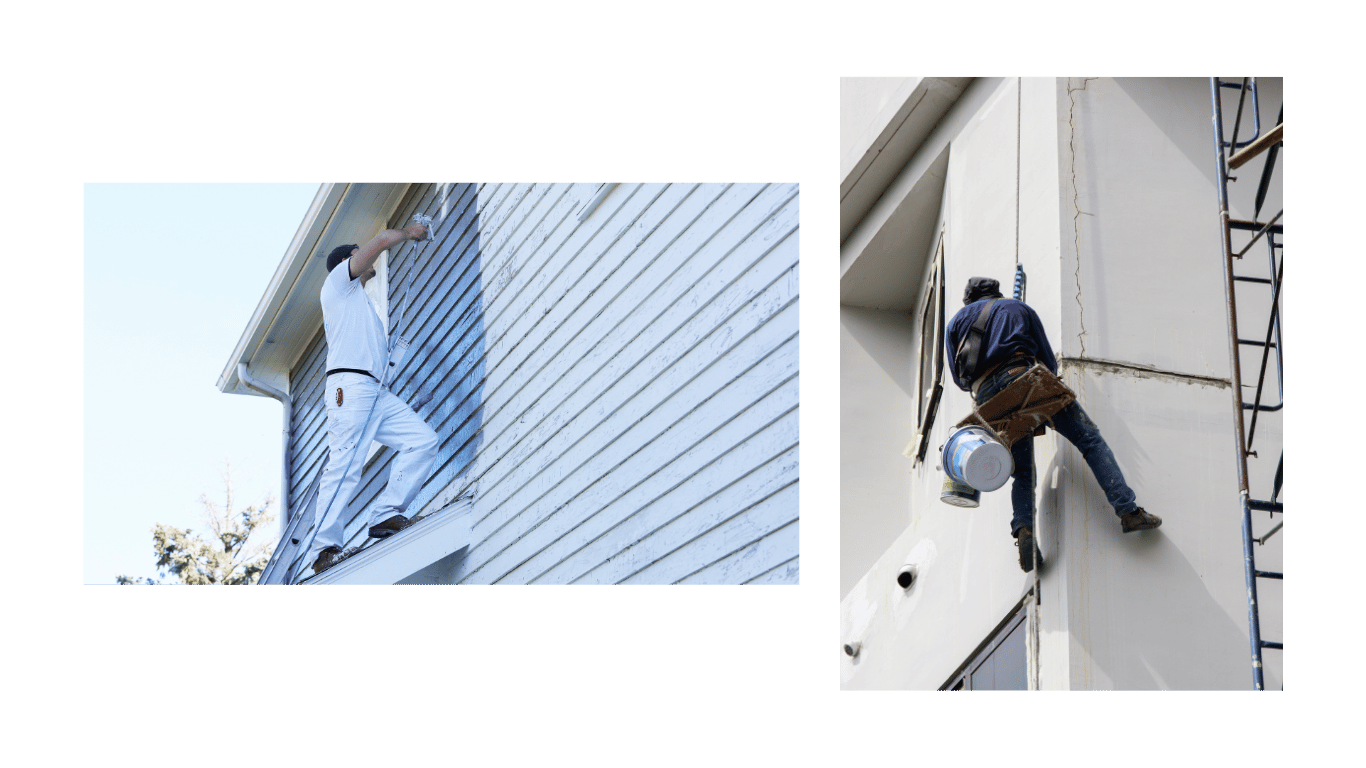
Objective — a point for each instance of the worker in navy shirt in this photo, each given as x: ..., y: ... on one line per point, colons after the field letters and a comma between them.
x: 1013, y: 340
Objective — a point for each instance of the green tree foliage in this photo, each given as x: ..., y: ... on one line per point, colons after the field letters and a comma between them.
x: 224, y: 556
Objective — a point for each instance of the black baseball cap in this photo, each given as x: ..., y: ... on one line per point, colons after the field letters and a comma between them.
x: 339, y: 254
x: 981, y: 288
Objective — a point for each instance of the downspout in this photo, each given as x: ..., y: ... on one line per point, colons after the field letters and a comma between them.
x: 269, y: 391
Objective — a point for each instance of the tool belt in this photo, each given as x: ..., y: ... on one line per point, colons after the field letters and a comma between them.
x: 350, y: 370
x: 1020, y: 362
x: 1024, y: 408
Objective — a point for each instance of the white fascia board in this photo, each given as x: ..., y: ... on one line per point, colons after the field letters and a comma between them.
x: 407, y: 551
x: 873, y: 137
x: 890, y: 142
x: 881, y: 268
x: 296, y: 257
x: 289, y: 315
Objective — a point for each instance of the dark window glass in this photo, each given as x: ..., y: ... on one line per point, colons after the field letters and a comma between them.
x: 931, y: 374
x: 1004, y: 668
x: 1002, y: 664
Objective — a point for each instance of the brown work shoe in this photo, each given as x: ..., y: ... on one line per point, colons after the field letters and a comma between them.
x: 1138, y: 520
x: 326, y: 559
x: 389, y: 527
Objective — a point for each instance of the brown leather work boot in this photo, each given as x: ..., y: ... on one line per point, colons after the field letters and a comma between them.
x: 326, y: 559
x: 1139, y: 520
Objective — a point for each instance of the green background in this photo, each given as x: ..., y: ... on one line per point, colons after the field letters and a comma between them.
x: 598, y: 675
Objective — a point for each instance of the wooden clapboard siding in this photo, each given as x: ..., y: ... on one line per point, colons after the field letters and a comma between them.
x: 442, y: 374
x: 641, y: 385
x: 701, y: 488
x: 307, y: 455
x: 308, y: 421
x: 699, y: 422
x: 540, y: 342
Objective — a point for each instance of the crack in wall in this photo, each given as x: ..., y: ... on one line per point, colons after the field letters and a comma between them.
x: 1076, y: 204
x: 1139, y: 370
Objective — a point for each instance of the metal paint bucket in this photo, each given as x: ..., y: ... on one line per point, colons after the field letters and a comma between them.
x: 959, y: 494
x: 973, y: 457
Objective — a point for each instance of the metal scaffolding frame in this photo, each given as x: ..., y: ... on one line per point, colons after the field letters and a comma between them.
x: 1232, y: 154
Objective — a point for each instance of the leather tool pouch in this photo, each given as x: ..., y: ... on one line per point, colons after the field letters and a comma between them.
x: 1024, y: 408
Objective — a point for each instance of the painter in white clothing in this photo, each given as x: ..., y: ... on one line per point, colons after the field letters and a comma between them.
x: 359, y: 408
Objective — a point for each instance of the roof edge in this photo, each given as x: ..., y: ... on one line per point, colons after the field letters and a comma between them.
x: 296, y: 257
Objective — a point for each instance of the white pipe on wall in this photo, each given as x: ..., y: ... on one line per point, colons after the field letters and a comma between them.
x: 269, y: 391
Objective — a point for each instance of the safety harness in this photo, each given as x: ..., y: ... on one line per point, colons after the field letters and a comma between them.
x: 969, y: 351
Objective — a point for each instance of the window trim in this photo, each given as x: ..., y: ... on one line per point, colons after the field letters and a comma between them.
x: 377, y: 290
x: 930, y: 392
x: 961, y: 679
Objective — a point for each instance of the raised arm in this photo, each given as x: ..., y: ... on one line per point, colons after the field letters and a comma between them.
x: 364, y: 257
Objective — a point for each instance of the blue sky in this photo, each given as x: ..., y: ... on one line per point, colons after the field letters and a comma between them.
x: 173, y: 273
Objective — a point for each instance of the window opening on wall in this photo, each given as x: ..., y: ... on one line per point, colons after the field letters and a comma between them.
x: 931, y: 375
x: 1000, y: 663
x: 377, y: 289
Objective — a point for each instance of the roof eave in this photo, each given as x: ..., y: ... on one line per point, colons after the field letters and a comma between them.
x: 296, y: 257
x: 288, y: 316
x: 890, y: 141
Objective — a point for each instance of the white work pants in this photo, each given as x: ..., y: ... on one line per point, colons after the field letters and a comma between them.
x: 351, y: 427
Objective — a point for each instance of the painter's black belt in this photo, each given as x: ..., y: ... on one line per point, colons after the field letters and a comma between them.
x: 350, y: 370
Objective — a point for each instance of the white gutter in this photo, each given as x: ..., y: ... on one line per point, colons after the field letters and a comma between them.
x: 269, y: 391
x: 256, y: 342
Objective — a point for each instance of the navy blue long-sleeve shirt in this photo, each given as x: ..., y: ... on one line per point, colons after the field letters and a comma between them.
x: 1012, y: 329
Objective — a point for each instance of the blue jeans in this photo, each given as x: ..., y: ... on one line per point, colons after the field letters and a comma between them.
x: 1073, y: 424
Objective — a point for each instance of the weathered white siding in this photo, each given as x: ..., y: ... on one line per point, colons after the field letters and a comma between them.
x: 615, y: 387
x: 640, y: 420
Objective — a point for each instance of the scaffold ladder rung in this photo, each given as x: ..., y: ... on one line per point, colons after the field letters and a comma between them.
x: 1256, y: 226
